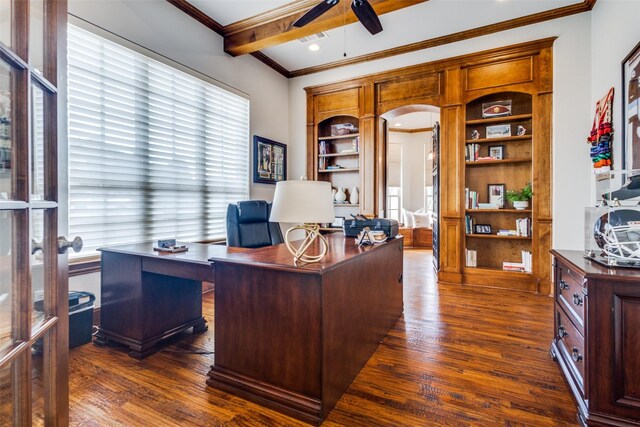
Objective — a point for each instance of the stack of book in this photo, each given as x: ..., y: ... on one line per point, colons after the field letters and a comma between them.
x: 471, y: 198
x: 523, y: 227
x: 471, y: 152
x: 507, y: 233
x: 334, y: 167
x: 471, y: 258
x: 523, y: 267
x: 469, y: 222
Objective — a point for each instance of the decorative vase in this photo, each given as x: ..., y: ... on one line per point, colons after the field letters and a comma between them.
x: 340, y: 196
x: 520, y: 204
x: 333, y: 194
x: 353, y: 198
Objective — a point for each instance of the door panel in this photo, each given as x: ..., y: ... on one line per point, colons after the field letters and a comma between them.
x: 33, y: 287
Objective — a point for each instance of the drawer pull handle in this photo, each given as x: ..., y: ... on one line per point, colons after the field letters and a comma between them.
x: 577, y: 300
x: 563, y: 285
x: 400, y: 278
x: 575, y: 354
x: 562, y: 332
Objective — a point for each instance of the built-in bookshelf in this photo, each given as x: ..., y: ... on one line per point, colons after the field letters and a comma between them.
x: 338, y: 159
x: 498, y: 153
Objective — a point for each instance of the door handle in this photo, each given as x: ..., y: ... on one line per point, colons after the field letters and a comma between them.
x: 36, y: 246
x: 64, y: 244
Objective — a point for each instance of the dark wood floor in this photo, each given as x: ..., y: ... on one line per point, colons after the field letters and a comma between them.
x: 459, y: 356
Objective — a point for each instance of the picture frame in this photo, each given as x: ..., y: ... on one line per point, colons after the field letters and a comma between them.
x: 631, y: 109
x: 482, y: 229
x: 496, y: 109
x: 269, y: 161
x: 495, y: 194
x: 499, y: 131
x: 496, y: 151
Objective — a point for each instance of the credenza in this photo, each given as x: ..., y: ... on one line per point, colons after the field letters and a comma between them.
x: 597, y: 338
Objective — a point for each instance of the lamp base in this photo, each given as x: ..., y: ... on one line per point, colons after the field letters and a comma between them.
x: 312, y: 232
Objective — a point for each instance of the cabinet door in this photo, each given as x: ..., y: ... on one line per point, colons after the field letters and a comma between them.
x: 613, y: 356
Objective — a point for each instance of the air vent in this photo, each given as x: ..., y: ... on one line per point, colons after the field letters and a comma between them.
x: 312, y: 37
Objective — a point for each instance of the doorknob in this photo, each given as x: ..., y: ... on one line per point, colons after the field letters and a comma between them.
x: 64, y: 244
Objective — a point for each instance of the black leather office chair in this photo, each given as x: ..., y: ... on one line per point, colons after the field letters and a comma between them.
x: 248, y: 225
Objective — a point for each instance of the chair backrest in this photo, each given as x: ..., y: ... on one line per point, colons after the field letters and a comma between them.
x: 248, y: 225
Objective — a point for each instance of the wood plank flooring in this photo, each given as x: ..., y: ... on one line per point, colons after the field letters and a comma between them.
x: 459, y: 356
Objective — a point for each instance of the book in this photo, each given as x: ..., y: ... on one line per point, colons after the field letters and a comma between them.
x: 488, y: 206
x: 172, y: 249
x: 471, y: 258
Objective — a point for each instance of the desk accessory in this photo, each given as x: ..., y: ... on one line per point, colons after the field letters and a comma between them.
x: 307, y: 203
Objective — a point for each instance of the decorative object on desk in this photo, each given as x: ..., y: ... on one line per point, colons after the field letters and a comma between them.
x: 617, y: 233
x: 496, y: 194
x: 340, y: 196
x: 498, y: 131
x: 496, y: 152
x: 630, y: 108
x: 496, y: 109
x: 475, y: 134
x: 353, y: 197
x: 601, y: 135
x: 269, y: 161
x: 521, y: 130
x: 165, y: 243
x: 370, y: 237
x: 307, y: 203
x: 343, y: 129
x: 172, y: 249
x: 520, y: 198
x: 482, y: 229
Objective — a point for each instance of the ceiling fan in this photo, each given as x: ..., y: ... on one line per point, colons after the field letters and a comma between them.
x: 362, y: 9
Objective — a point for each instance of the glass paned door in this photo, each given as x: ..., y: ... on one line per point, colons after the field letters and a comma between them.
x: 33, y: 286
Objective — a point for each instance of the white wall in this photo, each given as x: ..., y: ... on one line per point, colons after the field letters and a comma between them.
x: 162, y: 28
x: 608, y: 49
x: 413, y: 159
x: 571, y: 109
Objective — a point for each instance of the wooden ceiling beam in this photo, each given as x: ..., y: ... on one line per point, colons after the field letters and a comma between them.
x: 276, y: 27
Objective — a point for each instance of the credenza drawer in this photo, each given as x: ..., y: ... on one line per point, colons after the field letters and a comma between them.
x: 570, y: 293
x: 571, y: 345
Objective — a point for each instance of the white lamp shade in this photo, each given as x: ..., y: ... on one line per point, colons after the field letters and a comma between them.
x: 301, y: 202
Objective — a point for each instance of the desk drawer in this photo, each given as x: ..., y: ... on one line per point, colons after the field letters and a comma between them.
x: 570, y: 293
x: 176, y: 268
x: 571, y: 345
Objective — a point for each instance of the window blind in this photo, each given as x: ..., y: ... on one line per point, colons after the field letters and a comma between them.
x: 153, y: 152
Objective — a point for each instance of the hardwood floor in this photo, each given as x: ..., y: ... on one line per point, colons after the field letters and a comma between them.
x: 459, y: 356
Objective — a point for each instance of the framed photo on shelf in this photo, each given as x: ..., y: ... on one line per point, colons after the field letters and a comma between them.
x: 631, y: 111
x: 496, y: 109
x: 269, y: 161
x: 496, y: 151
x: 496, y: 194
x: 482, y: 229
x: 499, y: 131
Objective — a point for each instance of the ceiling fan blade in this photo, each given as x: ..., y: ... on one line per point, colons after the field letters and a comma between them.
x: 366, y: 15
x: 315, y: 12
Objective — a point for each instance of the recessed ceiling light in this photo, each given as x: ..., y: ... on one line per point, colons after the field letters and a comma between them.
x: 314, y: 47
x: 398, y: 124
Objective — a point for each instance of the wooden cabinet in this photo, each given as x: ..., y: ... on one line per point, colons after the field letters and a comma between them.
x: 339, y: 158
x: 597, y: 338
x: 504, y: 162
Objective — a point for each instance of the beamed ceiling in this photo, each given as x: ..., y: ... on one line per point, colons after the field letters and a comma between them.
x: 263, y: 28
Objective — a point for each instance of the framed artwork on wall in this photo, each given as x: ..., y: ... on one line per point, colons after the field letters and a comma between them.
x: 269, y: 161
x: 630, y: 111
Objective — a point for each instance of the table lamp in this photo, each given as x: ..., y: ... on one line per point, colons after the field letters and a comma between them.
x: 306, y: 203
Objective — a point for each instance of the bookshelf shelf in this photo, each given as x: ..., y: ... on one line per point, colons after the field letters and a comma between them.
x: 505, y: 119
x: 337, y: 137
x: 496, y: 162
x: 498, y: 140
x: 338, y: 170
x: 495, y: 236
x: 355, y: 153
x: 515, y: 211
x: 346, y: 205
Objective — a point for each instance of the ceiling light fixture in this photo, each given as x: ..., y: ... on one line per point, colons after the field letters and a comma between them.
x: 398, y: 124
x: 314, y: 47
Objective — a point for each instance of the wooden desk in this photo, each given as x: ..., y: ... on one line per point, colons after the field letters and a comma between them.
x: 294, y: 338
x: 148, y: 296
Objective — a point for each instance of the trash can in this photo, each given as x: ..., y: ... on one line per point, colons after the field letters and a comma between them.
x: 80, y: 317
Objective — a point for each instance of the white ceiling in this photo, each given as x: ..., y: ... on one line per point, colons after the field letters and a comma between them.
x: 419, y: 120
x: 423, y: 21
